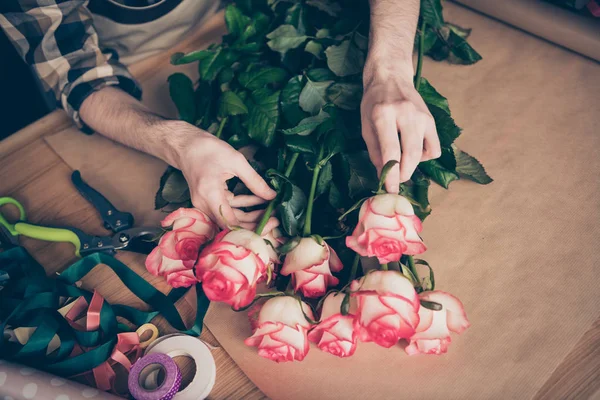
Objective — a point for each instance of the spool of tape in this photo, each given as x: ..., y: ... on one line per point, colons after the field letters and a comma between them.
x: 147, y: 365
x: 142, y: 330
x: 183, y: 345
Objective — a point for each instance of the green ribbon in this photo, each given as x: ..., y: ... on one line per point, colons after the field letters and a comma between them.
x: 30, y: 299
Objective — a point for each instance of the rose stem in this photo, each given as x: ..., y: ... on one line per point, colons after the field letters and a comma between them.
x: 384, y: 267
x: 417, y: 81
x: 221, y: 126
x: 354, y: 267
x: 273, y: 203
x: 311, y: 196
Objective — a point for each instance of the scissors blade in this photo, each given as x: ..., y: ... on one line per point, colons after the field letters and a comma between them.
x: 138, y: 240
x: 114, y: 219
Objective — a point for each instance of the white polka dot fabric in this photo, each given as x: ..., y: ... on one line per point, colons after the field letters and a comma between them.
x: 24, y: 383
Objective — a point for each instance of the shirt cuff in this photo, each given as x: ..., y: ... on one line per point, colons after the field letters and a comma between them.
x: 80, y: 92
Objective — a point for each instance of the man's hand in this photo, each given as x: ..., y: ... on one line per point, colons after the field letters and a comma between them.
x: 206, y: 161
x: 390, y: 107
x: 396, y: 123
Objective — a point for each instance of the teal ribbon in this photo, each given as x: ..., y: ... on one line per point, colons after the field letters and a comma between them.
x: 30, y: 299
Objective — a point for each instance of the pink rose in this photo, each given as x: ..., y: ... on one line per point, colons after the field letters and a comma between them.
x: 310, y: 264
x: 281, y: 328
x: 387, y: 228
x: 335, y: 333
x: 230, y: 267
x: 433, y: 331
x: 178, y: 249
x: 387, y: 307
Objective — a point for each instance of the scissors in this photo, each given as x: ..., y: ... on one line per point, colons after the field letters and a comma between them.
x: 125, y: 236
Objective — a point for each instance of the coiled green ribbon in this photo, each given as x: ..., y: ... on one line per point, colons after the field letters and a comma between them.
x: 28, y: 298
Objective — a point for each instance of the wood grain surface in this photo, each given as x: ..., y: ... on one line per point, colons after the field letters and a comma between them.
x: 32, y: 173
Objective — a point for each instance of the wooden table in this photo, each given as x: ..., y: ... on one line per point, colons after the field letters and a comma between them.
x: 31, y: 172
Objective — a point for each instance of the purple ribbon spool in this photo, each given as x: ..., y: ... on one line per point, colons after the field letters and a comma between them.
x: 167, y: 389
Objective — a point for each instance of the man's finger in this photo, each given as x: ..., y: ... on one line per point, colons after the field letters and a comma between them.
x: 431, y: 143
x: 254, y: 181
x: 368, y: 134
x: 411, y: 139
x: 389, y: 146
x: 220, y: 208
x: 245, y: 200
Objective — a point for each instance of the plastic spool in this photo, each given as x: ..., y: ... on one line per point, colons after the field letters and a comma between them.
x: 176, y: 345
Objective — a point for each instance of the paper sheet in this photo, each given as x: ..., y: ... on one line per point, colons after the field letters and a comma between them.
x: 521, y: 253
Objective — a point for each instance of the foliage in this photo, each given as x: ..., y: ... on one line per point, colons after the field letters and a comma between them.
x: 287, y: 78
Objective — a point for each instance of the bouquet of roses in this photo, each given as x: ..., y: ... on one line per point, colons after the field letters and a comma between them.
x: 286, y: 82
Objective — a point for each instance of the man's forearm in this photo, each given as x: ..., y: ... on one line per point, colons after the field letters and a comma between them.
x: 120, y: 117
x: 393, y: 27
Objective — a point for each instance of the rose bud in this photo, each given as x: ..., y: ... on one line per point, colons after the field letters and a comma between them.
x: 335, y: 333
x: 178, y: 249
x: 387, y: 307
x: 281, y: 328
x: 311, y: 264
x: 231, y: 265
x: 433, y: 332
x: 387, y: 228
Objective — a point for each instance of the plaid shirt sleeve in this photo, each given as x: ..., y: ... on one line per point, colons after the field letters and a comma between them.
x: 58, y: 40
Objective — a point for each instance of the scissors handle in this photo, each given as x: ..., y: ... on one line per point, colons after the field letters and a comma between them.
x: 49, y: 234
x: 10, y: 227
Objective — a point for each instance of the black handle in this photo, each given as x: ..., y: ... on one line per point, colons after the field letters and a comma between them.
x: 114, y: 219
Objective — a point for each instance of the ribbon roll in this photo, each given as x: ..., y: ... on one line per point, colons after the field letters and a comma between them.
x: 182, y: 345
x: 143, y: 330
x: 153, y: 363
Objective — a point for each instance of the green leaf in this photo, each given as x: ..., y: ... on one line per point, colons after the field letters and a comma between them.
x: 361, y: 172
x: 313, y: 96
x: 295, y: 16
x: 264, y: 116
x: 259, y: 77
x: 307, y: 125
x: 173, y: 189
x: 235, y: 20
x: 181, y: 90
x: 446, y: 128
x: 300, y: 144
x: 431, y: 12
x: 438, y: 173
x: 447, y: 159
x: 346, y: 96
x: 231, y: 104
x: 431, y: 38
x: 330, y: 7
x: 225, y: 76
x: 325, y: 177
x: 284, y: 38
x: 320, y: 74
x: 469, y: 167
x: 258, y: 25
x: 290, y: 101
x: 322, y: 34
x: 210, y: 66
x: 462, y: 50
x: 431, y: 96
x: 335, y: 197
x: 315, y: 48
x: 462, y: 32
x: 334, y: 142
x: 345, y: 59
x: 292, y: 208
x: 181, y: 58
